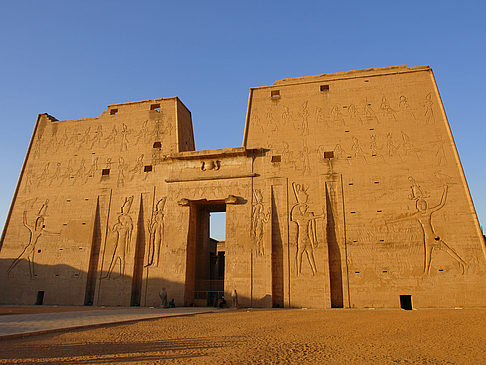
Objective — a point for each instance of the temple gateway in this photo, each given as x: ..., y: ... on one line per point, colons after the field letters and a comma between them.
x: 347, y: 192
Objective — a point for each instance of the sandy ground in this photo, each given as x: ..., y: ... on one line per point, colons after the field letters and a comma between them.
x: 269, y: 337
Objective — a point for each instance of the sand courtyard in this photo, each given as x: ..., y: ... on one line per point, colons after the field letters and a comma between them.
x: 279, y: 336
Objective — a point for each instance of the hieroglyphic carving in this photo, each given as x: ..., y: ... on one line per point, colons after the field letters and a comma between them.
x: 156, y: 233
x: 423, y: 215
x: 258, y: 220
x: 123, y: 235
x: 36, y: 230
x: 306, y: 228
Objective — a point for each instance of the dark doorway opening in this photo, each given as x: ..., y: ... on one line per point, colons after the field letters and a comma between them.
x: 40, y: 297
x: 205, y: 254
x: 406, y: 302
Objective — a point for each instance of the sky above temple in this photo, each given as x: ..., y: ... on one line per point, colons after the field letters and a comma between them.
x: 71, y: 59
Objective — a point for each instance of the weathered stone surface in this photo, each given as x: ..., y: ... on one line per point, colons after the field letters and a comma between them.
x: 347, y: 192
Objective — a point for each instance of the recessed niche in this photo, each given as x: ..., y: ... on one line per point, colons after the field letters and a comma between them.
x: 276, y: 158
x: 275, y: 94
x: 328, y: 154
x: 113, y: 111
x: 157, y: 145
x: 147, y: 168
x: 324, y: 88
x: 105, y: 172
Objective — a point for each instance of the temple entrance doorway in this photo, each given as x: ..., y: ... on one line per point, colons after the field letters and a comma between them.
x: 205, y: 254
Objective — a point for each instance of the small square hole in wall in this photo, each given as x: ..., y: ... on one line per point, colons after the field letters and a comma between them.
x: 147, y: 168
x: 276, y: 158
x: 155, y: 107
x: 328, y: 154
x: 113, y: 111
x: 275, y: 94
x: 324, y: 88
x: 157, y: 145
x: 105, y: 172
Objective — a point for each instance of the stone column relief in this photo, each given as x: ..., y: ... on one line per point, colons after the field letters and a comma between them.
x: 258, y: 220
x: 156, y: 232
x: 123, y: 235
x: 423, y: 215
x: 306, y: 228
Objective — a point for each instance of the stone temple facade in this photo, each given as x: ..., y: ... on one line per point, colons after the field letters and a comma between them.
x: 347, y: 192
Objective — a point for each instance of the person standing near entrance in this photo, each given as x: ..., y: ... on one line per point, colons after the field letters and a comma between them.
x: 234, y: 297
x: 163, y: 298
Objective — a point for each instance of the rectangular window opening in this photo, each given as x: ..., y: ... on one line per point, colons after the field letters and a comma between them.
x: 105, y: 172
x: 329, y: 154
x: 113, y: 111
x: 275, y: 94
x: 157, y: 145
x: 276, y: 158
x: 147, y: 168
x: 324, y: 88
x: 406, y: 302
x: 155, y: 107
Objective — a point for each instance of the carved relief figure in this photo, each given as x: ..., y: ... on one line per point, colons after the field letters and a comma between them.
x: 258, y: 220
x: 56, y: 175
x: 431, y: 239
x: 142, y: 134
x: 123, y: 236
x: 405, y: 107
x: 111, y: 138
x: 156, y: 232
x: 98, y: 135
x: 120, y: 181
x: 85, y: 137
x: 138, y: 168
x: 386, y: 109
x: 336, y: 115
x: 286, y: 116
x: 305, y: 119
x: 306, y: 228
x: 416, y: 191
x: 357, y: 150
x: 36, y: 230
x: 124, y: 140
x: 391, y: 148
x: 429, y: 112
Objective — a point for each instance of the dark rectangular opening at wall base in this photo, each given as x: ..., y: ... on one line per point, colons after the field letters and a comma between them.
x: 406, y: 302
x: 40, y: 297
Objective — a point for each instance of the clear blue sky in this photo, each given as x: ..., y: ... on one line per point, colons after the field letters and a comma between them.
x: 72, y: 58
